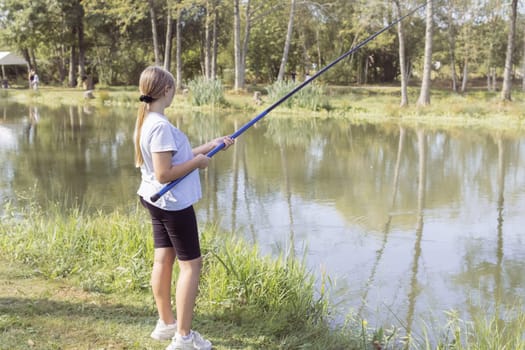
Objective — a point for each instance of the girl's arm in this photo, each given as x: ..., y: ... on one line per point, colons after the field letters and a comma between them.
x: 166, y: 172
x: 208, y: 146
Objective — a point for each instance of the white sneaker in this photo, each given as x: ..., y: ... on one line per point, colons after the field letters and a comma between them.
x: 164, y: 331
x: 196, y: 342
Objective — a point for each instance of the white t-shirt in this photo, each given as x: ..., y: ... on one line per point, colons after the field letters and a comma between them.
x: 159, y: 135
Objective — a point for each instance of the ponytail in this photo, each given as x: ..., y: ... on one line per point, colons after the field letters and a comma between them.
x: 141, y: 115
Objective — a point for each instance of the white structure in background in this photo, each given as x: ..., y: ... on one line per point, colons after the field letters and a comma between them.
x: 9, y: 59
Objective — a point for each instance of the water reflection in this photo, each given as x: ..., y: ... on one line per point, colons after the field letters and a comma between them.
x: 387, y: 225
x: 404, y: 220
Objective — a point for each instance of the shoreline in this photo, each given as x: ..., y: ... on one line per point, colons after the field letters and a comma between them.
x: 373, y: 104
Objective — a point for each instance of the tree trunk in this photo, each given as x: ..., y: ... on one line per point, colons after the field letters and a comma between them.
x: 72, y: 80
x: 207, y: 42
x: 61, y: 63
x: 465, y: 75
x: 452, y: 48
x: 319, y: 61
x: 240, y: 46
x: 178, y: 54
x: 215, y: 43
x: 81, y: 47
x: 169, y: 37
x: 523, y: 67
x: 244, y: 52
x: 424, y: 97
x: 507, y: 75
x: 402, y: 57
x: 289, y: 32
x: 237, y: 45
x: 154, y: 32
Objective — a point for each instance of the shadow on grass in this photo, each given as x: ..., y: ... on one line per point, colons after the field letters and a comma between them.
x: 27, y: 307
x: 87, y: 324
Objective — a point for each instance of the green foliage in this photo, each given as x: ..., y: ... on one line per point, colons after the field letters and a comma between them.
x: 281, y: 289
x: 206, y: 92
x: 111, y: 253
x: 118, y: 38
x: 312, y: 97
x: 104, y: 257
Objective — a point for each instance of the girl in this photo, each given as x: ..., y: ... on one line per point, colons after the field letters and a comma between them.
x: 164, y: 154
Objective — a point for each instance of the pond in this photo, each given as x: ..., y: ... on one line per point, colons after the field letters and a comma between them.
x: 402, y: 223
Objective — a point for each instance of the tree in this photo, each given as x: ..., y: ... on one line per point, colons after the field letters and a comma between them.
x: 178, y: 54
x: 207, y: 40
x: 402, y: 57
x: 507, y: 75
x: 169, y: 36
x: 424, y: 97
x: 284, y: 60
x: 153, y: 15
x: 238, y: 60
x: 451, y: 35
x: 241, y: 45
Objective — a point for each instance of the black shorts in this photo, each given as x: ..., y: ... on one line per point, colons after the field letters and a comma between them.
x: 177, y: 229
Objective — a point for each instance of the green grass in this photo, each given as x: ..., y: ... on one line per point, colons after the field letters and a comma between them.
x: 246, y: 301
x: 77, y: 281
x: 373, y: 104
x: 206, y: 92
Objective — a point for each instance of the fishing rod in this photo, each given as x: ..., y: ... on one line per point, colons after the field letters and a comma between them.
x: 246, y: 126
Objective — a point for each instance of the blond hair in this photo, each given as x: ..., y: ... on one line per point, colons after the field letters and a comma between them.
x: 152, y: 84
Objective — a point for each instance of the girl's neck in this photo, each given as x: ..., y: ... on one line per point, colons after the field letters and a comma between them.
x: 157, y: 107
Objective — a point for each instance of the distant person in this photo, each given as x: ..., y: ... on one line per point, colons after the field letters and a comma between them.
x: 89, y: 86
x: 307, y: 76
x: 293, y: 74
x: 34, y: 80
x: 164, y: 154
x: 31, y: 76
x: 257, y: 98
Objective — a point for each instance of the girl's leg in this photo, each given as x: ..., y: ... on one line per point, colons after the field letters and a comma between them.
x: 161, y: 282
x: 187, y: 286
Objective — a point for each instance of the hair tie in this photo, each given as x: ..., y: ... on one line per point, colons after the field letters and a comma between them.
x: 146, y: 98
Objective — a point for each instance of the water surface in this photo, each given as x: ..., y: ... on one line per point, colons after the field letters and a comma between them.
x: 407, y: 222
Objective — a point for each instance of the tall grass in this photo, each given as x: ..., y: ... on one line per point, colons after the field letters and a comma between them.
x: 206, y: 92
x: 272, y: 299
x: 109, y: 253
x: 312, y: 97
x: 104, y: 253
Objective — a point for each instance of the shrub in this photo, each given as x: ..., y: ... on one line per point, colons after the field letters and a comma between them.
x: 311, y: 97
x: 206, y: 92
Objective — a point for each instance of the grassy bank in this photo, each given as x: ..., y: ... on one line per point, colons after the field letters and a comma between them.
x: 78, y: 281
x: 373, y: 104
x: 246, y: 301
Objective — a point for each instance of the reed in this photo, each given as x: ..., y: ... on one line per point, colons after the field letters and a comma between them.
x: 312, y: 97
x: 206, y: 92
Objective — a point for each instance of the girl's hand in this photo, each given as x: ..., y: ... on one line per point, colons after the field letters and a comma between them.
x: 227, y: 140
x: 202, y: 161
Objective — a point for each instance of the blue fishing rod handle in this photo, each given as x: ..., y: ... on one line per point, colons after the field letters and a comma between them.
x: 165, y: 189
x: 155, y: 197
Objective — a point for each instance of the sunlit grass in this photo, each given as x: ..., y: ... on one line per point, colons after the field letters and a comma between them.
x: 374, y: 104
x: 270, y: 302
x: 206, y: 92
x: 112, y: 253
